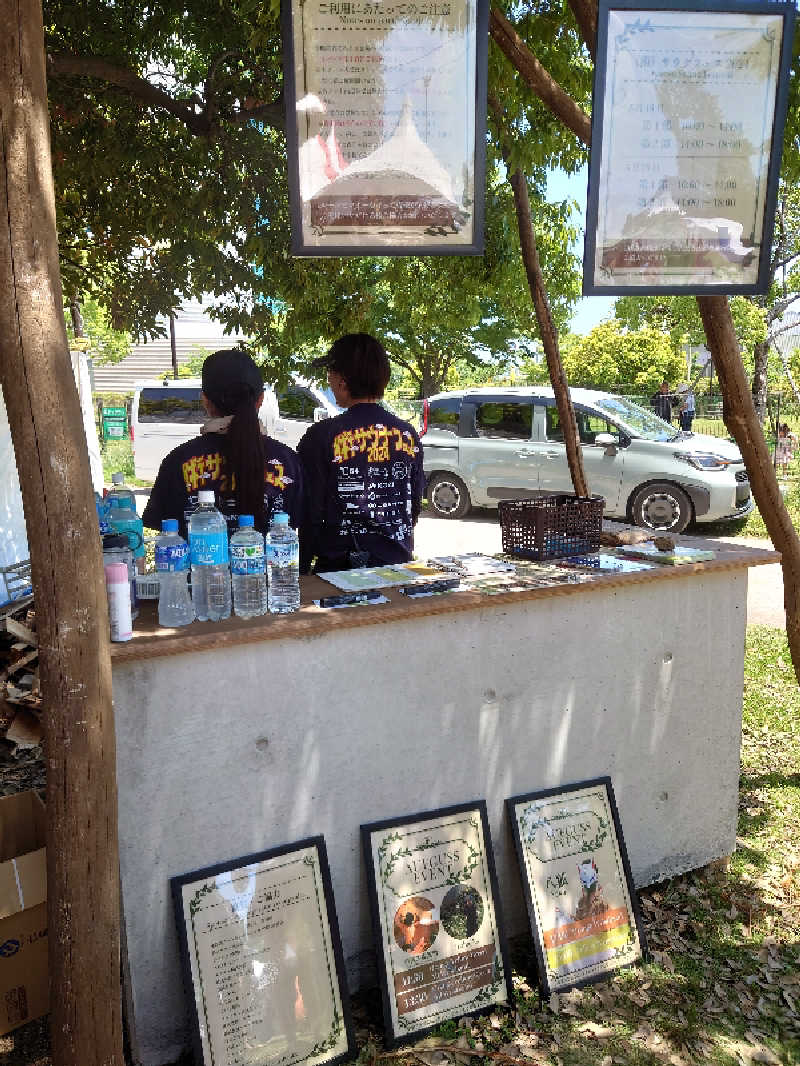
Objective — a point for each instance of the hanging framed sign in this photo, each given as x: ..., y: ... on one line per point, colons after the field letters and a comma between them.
x: 435, y: 911
x: 386, y: 125
x: 582, y: 905
x: 262, y: 960
x: 690, y: 101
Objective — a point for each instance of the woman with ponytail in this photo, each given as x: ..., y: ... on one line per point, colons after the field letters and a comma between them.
x: 249, y: 472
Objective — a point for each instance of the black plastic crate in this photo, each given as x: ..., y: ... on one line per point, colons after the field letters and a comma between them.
x: 550, y: 527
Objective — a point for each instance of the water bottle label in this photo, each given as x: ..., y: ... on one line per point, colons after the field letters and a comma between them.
x: 208, y: 549
x: 283, y: 554
x: 172, y: 557
x: 247, y: 559
x: 114, y: 503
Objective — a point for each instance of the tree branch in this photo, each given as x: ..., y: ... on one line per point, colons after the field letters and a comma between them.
x: 202, y: 123
x: 538, y: 79
x: 585, y: 12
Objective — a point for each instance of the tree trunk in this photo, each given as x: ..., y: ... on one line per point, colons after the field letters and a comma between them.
x: 740, y: 417
x: 760, y: 354
x: 547, y: 331
x: 71, y: 611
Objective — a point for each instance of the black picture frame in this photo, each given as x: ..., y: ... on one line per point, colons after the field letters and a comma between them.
x: 499, y: 990
x: 631, y: 901
x: 302, y: 851
x: 377, y: 245
x: 705, y: 193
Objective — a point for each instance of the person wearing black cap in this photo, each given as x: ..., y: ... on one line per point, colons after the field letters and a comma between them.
x: 363, y: 468
x: 250, y: 473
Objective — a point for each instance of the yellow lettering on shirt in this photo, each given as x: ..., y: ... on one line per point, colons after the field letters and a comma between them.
x: 274, y: 474
x: 376, y: 441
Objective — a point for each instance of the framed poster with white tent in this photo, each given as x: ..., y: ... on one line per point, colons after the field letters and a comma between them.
x: 385, y: 125
x: 690, y: 101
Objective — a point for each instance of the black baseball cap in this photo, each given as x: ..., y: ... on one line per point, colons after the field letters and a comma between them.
x: 230, y: 375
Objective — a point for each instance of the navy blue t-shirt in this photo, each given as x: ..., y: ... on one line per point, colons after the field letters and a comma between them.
x: 201, y: 464
x: 364, y: 487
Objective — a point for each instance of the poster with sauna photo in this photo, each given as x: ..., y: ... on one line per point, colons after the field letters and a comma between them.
x: 435, y: 911
x: 578, y: 886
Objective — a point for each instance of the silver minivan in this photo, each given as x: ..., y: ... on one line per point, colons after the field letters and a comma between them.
x: 486, y: 445
x: 165, y: 414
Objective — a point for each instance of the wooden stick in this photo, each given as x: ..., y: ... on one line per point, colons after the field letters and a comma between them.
x: 67, y: 568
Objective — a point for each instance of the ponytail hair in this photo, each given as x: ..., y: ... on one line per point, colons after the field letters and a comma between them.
x: 233, y: 383
x: 244, y: 452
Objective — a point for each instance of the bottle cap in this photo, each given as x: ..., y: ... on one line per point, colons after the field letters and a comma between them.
x: 246, y: 520
x: 115, y: 540
x: 118, y: 478
x: 116, y: 574
x: 280, y: 519
x: 169, y: 525
x: 205, y: 496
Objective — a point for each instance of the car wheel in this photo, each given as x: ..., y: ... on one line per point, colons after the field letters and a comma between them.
x: 663, y: 506
x: 448, y: 496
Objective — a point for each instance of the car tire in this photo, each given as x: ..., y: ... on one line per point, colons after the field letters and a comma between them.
x: 448, y: 496
x: 661, y: 505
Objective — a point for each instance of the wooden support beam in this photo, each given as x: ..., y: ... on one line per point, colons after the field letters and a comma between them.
x: 66, y: 560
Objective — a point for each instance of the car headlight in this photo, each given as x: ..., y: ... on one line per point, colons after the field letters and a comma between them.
x: 704, y: 460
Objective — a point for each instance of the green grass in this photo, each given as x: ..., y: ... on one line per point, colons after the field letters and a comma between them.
x: 723, y: 986
x: 118, y: 456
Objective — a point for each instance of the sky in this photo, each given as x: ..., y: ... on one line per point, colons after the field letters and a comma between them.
x: 589, y: 310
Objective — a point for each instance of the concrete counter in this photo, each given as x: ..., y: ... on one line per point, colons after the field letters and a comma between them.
x: 238, y: 736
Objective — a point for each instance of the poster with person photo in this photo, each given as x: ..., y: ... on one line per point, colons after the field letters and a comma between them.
x: 435, y: 911
x: 581, y: 901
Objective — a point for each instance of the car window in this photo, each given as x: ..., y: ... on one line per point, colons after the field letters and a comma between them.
x: 590, y: 425
x: 444, y: 414
x: 298, y: 403
x: 181, y: 406
x: 510, y: 421
x: 553, y: 425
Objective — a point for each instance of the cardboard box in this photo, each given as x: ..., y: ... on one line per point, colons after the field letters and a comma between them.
x: 23, y: 911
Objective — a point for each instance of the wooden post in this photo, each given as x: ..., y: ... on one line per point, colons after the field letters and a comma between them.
x: 739, y: 415
x: 71, y: 611
x: 547, y: 331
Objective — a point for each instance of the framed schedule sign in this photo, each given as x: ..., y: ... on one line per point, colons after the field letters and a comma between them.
x: 582, y: 906
x: 385, y: 125
x: 690, y: 100
x: 262, y: 960
x: 435, y: 911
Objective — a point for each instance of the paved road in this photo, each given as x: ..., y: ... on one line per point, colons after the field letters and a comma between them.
x: 480, y: 531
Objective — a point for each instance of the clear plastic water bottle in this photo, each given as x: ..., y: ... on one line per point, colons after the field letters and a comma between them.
x: 120, y: 495
x: 248, y: 570
x: 172, y: 563
x: 283, y: 566
x: 122, y: 515
x: 208, y: 550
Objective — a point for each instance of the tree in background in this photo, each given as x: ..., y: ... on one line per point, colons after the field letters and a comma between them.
x: 170, y: 171
x: 757, y: 319
x: 614, y: 359
x: 94, y: 333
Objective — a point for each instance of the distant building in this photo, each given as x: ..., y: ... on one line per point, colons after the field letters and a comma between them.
x: 153, y: 359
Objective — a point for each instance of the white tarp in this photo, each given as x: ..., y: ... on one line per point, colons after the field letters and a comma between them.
x: 13, y: 534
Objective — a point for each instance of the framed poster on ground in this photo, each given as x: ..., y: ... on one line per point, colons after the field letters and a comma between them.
x: 582, y: 906
x: 262, y: 960
x: 386, y: 125
x: 433, y: 894
x: 690, y: 101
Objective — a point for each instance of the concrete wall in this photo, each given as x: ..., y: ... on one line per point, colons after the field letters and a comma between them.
x: 225, y: 753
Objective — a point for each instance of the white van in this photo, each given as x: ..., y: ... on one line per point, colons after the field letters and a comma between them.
x: 164, y: 414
